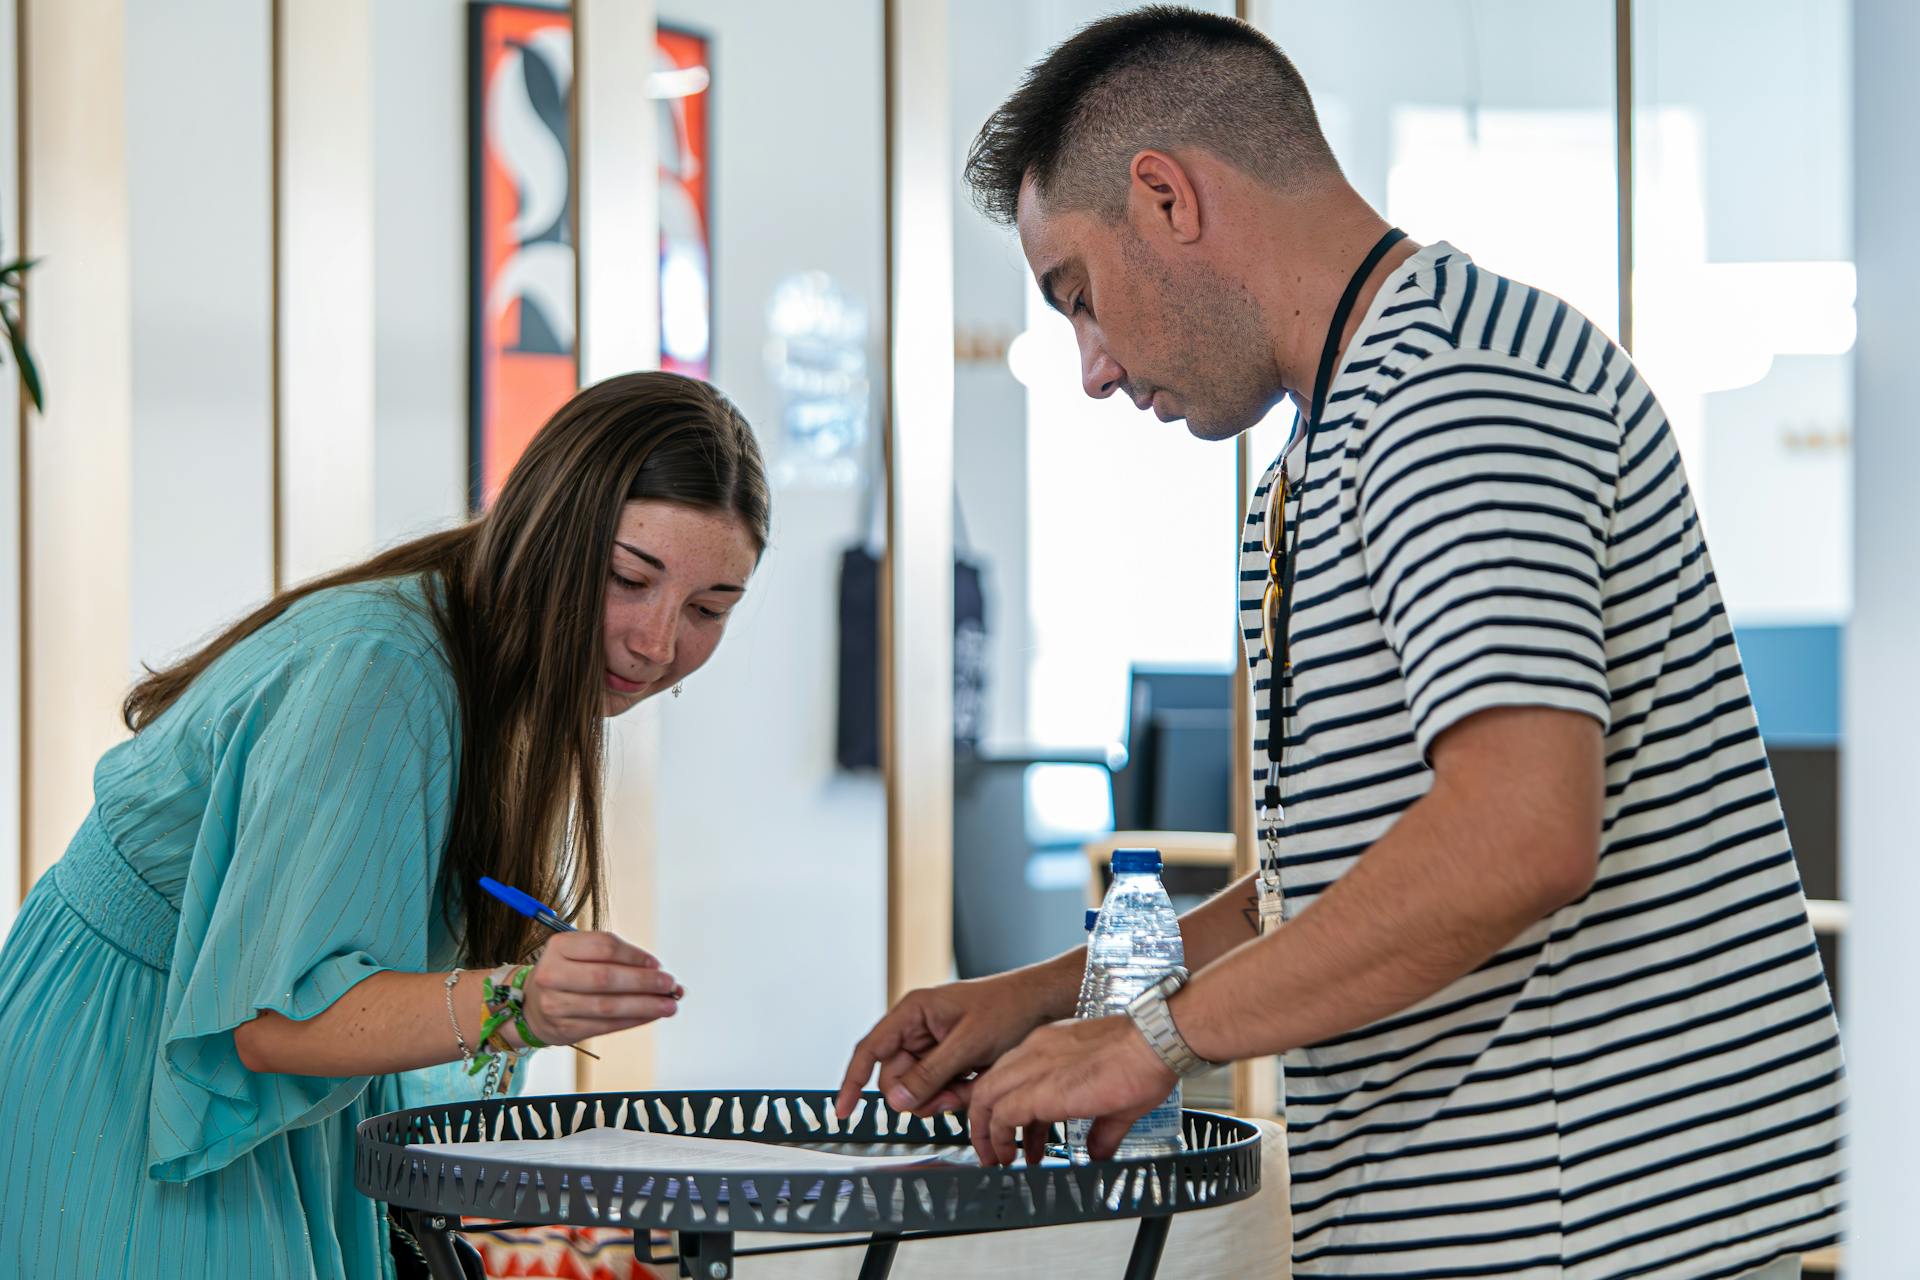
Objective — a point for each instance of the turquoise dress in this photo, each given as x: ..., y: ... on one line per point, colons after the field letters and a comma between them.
x: 271, y: 840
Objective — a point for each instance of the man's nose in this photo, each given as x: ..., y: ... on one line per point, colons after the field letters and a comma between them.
x: 1100, y: 375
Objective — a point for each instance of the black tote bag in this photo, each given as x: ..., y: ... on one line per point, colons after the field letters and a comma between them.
x: 857, y: 740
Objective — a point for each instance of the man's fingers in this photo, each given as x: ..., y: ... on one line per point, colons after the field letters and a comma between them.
x: 1104, y: 1138
x: 951, y: 1098
x: 888, y: 1038
x: 934, y: 1070
x: 859, y: 1069
x: 1033, y: 1139
x: 980, y: 1118
x: 1001, y: 1132
x: 892, y: 1074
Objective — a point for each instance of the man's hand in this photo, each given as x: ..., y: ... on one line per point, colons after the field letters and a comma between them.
x: 934, y: 1037
x: 1100, y: 1067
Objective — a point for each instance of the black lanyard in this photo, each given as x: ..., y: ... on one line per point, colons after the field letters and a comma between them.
x: 1280, y: 673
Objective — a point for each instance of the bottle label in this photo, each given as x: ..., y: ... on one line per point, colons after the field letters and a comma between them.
x: 1161, y: 1123
x: 1156, y: 1133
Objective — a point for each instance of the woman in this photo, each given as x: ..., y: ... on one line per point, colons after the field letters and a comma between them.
x: 257, y: 924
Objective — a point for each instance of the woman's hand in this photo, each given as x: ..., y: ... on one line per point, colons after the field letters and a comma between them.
x: 593, y: 984
x: 585, y: 984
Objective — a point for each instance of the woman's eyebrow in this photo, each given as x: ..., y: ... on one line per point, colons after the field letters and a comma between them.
x: 661, y: 565
x: 632, y: 550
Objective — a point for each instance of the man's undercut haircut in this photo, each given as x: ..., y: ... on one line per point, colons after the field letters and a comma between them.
x: 1161, y: 78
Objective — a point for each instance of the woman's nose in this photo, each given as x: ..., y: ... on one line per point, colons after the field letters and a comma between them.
x: 651, y: 636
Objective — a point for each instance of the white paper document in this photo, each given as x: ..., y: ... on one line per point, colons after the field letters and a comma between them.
x: 627, y: 1149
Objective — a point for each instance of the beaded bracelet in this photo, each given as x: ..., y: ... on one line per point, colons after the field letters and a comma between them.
x: 504, y: 993
x: 506, y: 1000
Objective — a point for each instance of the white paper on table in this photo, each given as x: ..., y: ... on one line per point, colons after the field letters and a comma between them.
x: 636, y: 1149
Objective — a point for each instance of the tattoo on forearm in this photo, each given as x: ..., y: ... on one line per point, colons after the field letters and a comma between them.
x: 1251, y: 912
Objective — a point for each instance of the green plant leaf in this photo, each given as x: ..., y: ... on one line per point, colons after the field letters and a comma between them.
x: 18, y: 266
x: 29, y: 374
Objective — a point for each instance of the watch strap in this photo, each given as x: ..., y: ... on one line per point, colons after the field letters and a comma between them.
x: 1151, y: 1015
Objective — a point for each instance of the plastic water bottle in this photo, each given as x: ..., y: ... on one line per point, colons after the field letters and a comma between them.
x: 1084, y: 1008
x: 1135, y: 943
x: 1087, y: 1006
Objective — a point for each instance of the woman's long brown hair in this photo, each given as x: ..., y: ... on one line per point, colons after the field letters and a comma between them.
x: 518, y: 595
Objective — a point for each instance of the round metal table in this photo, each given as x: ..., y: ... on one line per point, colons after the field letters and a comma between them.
x: 437, y: 1192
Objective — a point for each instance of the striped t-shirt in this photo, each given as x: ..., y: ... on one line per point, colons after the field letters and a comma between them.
x: 1648, y: 1082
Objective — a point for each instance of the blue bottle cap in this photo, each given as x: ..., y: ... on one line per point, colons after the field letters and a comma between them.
x: 1136, y: 862
x: 1093, y: 915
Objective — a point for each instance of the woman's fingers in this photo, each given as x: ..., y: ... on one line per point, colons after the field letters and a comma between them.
x: 584, y: 1028
x: 570, y: 1030
x: 599, y: 947
x: 608, y: 979
x: 588, y: 984
x: 565, y: 1007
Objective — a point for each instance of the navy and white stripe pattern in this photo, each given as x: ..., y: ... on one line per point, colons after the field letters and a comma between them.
x: 1648, y: 1083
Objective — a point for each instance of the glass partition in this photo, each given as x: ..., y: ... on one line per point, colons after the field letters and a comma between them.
x: 1108, y: 543
x: 1744, y: 322
x: 771, y: 869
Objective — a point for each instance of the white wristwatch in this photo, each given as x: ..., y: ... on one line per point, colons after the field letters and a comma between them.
x: 1150, y: 1013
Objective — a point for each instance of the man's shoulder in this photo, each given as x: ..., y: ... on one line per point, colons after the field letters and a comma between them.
x: 1456, y: 326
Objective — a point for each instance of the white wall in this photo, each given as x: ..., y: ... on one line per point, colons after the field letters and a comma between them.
x: 199, y: 157
x: 199, y: 190
x: 771, y: 867
x: 420, y: 267
x: 150, y: 196
x: 373, y: 271
x: 1879, y: 868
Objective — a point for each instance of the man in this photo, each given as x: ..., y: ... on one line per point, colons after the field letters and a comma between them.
x: 1541, y: 972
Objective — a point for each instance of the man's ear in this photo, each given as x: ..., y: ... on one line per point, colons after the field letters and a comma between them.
x: 1161, y: 199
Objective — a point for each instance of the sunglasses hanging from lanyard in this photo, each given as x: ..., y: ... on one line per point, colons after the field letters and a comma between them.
x: 1276, y: 602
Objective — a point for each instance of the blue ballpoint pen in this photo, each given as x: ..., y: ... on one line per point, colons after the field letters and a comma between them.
x: 527, y: 905
x: 537, y: 911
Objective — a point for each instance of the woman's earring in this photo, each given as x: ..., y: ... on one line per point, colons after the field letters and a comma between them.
x: 679, y: 689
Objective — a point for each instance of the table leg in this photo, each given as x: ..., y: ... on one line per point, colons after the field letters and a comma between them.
x: 707, y: 1255
x: 1147, y: 1246
x: 879, y: 1259
x: 433, y: 1232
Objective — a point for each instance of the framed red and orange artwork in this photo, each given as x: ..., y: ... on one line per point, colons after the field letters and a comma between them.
x: 523, y: 344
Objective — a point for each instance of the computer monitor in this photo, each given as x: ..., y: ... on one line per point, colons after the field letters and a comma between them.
x: 1179, y: 751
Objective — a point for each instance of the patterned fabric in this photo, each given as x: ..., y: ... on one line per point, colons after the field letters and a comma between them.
x: 269, y: 842
x: 565, y: 1253
x: 1648, y: 1082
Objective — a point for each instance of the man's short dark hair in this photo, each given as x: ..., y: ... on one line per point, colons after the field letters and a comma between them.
x: 1162, y: 77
